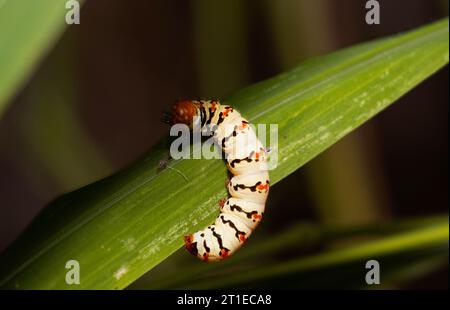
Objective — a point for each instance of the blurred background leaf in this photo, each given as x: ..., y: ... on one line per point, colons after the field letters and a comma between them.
x: 21, y: 46
x: 43, y: 140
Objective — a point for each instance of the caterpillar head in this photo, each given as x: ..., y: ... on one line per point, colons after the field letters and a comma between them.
x: 183, y: 111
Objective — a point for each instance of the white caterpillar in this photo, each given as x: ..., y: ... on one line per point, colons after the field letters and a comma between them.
x: 246, y: 159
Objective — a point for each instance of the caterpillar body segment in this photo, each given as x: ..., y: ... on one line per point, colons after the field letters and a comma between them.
x: 246, y: 159
x: 250, y: 187
x: 250, y: 213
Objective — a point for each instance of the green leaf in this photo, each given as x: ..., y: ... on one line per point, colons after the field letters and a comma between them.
x: 28, y: 30
x: 123, y: 226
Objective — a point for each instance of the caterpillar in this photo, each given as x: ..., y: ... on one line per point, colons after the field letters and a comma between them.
x: 246, y: 159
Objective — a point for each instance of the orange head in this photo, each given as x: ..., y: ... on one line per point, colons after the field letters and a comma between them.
x: 183, y: 111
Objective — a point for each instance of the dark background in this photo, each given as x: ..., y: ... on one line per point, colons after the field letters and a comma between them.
x: 93, y: 105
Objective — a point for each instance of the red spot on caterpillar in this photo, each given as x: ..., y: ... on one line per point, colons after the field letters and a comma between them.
x: 224, y: 253
x: 242, y: 237
x: 256, y: 216
x: 183, y: 112
x: 257, y: 155
x: 226, y: 111
x: 205, y: 256
x: 222, y: 202
x: 262, y: 187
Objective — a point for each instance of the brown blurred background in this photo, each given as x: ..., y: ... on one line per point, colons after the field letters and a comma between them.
x: 93, y: 105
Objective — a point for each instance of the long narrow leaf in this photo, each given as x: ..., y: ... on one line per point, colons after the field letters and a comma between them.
x: 27, y: 30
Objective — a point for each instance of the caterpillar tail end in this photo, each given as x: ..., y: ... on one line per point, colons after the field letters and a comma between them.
x: 190, y: 244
